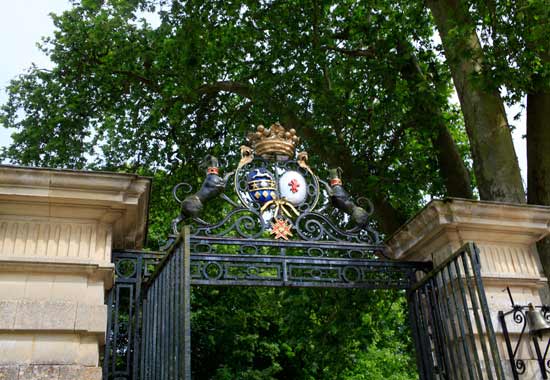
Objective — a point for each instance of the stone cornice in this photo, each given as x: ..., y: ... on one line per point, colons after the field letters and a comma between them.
x: 116, y: 199
x: 499, y: 222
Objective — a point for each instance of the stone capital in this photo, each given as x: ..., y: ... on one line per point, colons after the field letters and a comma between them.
x: 458, y: 221
x: 116, y: 202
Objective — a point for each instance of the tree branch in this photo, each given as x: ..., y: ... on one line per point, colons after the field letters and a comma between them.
x: 370, y: 52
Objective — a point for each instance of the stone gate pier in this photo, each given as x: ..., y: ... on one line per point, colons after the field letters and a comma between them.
x: 505, y: 235
x: 57, y: 230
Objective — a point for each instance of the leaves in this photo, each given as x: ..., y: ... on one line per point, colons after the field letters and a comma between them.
x: 360, y: 81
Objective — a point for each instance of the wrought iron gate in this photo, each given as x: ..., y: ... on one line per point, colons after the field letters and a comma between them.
x: 451, y: 323
x: 281, y: 225
x: 149, y: 326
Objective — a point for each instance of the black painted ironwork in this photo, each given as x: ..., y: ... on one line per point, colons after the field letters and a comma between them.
x: 316, y: 235
x: 518, y: 316
x: 452, y: 327
x: 315, y: 223
x: 166, y: 326
x: 146, y: 319
x: 132, y: 269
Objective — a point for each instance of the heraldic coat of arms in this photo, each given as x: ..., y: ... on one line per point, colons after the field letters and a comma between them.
x: 280, y: 189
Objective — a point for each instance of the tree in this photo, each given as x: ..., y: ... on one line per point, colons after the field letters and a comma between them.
x: 495, y: 162
x: 513, y: 54
x: 362, y: 83
x: 521, y: 36
x: 341, y: 74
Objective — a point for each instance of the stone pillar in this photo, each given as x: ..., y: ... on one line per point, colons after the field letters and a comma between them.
x: 505, y: 235
x: 57, y: 229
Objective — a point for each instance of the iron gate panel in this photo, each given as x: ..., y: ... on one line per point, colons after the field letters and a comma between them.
x: 154, y: 323
x: 132, y: 268
x: 166, y: 329
x: 447, y: 307
x: 451, y: 323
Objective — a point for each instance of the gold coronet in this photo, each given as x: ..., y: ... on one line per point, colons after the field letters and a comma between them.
x: 274, y: 141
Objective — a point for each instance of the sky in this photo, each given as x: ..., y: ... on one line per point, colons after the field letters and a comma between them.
x: 24, y: 22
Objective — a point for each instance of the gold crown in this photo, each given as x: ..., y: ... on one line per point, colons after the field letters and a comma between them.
x: 275, y: 140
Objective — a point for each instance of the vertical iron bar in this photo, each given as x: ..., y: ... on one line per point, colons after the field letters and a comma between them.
x: 427, y: 352
x: 151, y: 340
x: 463, y: 343
x: 115, y: 334
x: 177, y: 330
x: 156, y: 357
x: 540, y: 359
x: 413, y: 321
x: 173, y: 294
x: 453, y: 336
x: 186, y: 305
x: 171, y: 318
x: 130, y: 330
x: 151, y: 333
x: 472, y: 289
x: 502, y: 320
x: 441, y: 341
x: 164, y: 312
x: 143, y: 351
x: 474, y: 253
x: 137, y: 318
x: 108, y: 343
x: 468, y: 319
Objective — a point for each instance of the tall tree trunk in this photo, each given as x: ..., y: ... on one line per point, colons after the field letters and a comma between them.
x: 495, y: 162
x: 538, y: 161
x: 426, y: 110
x: 451, y: 166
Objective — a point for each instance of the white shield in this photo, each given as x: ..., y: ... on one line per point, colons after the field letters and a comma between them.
x: 293, y: 187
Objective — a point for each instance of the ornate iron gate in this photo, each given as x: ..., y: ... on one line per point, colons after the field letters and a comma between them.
x: 149, y: 325
x: 282, y: 225
x: 451, y: 323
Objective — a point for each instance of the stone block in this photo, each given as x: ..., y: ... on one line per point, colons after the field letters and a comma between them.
x: 12, y: 285
x: 50, y: 315
x: 88, y: 354
x: 79, y: 373
x: 91, y: 318
x: 58, y: 315
x: 56, y: 349
x: 8, y: 309
x: 29, y: 315
x: 39, y: 372
x: 96, y: 291
x: 9, y: 372
x: 39, y: 286
x: 15, y: 349
x: 70, y: 287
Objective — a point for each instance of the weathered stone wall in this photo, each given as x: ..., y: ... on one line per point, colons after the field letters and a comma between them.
x: 57, y: 230
x: 48, y: 372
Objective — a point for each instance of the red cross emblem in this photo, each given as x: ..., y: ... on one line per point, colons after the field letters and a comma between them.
x: 281, y: 229
x: 294, y: 185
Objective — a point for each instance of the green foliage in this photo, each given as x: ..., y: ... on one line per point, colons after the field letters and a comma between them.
x: 126, y: 96
x: 129, y: 96
x: 300, y: 334
x: 516, y: 37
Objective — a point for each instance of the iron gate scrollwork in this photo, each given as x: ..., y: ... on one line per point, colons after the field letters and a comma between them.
x: 281, y: 225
